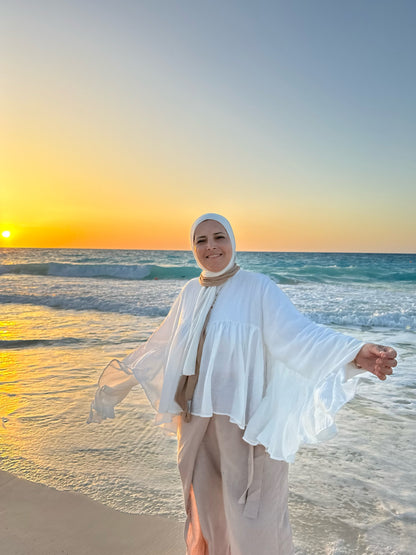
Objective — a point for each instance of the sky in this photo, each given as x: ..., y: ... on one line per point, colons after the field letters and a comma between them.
x: 122, y: 121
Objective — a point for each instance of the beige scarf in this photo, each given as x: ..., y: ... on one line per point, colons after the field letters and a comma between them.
x: 187, y: 383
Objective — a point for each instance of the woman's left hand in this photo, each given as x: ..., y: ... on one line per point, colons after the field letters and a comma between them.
x: 377, y: 359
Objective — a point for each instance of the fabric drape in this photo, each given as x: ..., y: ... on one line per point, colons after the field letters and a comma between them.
x: 224, y: 516
x: 272, y: 371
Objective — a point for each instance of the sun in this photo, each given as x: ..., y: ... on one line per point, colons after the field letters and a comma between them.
x: 5, y: 234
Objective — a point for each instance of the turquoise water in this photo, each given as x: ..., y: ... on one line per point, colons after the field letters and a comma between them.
x: 65, y: 313
x: 291, y: 268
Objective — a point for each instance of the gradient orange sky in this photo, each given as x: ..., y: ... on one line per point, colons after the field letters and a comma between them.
x: 124, y: 121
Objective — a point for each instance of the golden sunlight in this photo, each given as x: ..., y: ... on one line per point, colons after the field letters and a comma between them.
x: 5, y: 234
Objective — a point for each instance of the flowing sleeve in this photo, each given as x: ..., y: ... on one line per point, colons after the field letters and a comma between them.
x: 148, y: 362
x: 144, y: 365
x: 308, y: 370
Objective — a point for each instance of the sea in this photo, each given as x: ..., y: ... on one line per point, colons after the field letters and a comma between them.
x: 65, y: 313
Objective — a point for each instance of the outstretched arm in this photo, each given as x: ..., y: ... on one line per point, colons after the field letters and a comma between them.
x: 311, y: 349
x: 377, y: 359
x: 144, y: 365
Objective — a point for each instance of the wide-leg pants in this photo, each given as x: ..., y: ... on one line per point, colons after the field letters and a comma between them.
x: 236, y: 497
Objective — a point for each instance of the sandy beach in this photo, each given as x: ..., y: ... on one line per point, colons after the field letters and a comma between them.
x: 38, y: 520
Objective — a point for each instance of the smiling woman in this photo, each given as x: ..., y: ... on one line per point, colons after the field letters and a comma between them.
x: 243, y: 379
x: 212, y: 246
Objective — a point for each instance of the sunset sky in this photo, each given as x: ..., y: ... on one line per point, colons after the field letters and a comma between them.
x: 122, y: 121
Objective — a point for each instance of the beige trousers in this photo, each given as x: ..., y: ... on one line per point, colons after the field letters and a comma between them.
x: 235, y: 495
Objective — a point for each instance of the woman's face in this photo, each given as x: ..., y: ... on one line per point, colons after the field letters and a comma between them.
x: 212, y: 246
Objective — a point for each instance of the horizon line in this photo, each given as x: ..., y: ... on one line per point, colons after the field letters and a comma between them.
x: 190, y: 251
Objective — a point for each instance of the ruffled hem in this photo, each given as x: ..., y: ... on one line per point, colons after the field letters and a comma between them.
x: 294, y: 413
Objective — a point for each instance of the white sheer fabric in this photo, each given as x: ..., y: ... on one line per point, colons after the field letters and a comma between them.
x: 206, y: 295
x: 273, y: 371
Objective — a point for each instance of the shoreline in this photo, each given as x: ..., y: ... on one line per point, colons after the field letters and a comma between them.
x: 40, y: 520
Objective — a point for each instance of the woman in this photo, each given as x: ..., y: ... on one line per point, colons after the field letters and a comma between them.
x: 243, y: 378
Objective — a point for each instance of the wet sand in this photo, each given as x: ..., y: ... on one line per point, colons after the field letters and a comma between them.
x: 38, y: 520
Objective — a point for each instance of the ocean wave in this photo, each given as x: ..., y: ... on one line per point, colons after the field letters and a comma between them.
x: 294, y: 270
x: 389, y: 320
x: 27, y: 343
x: 63, y: 302
x: 337, y: 274
x: 394, y: 320
x: 6, y: 344
x: 101, y: 271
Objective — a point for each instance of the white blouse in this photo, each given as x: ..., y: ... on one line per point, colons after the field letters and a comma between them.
x: 275, y: 373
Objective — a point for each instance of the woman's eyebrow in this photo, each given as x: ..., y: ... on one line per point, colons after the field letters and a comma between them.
x: 204, y: 236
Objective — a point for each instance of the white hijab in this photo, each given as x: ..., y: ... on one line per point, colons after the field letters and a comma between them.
x: 226, y: 225
x: 206, y: 296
